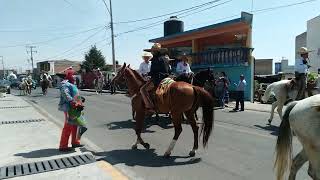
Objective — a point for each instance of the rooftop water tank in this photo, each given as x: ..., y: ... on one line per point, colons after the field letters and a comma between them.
x: 173, y: 26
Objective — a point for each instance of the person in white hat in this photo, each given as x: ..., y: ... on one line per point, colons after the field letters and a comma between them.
x: 183, y: 66
x: 301, y: 71
x: 144, y: 67
x: 159, y: 70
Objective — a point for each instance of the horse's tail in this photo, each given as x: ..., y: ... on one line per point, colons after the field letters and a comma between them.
x: 205, y: 100
x: 267, y: 93
x: 284, y: 144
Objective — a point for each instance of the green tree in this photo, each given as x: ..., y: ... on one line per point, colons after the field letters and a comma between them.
x: 93, y: 60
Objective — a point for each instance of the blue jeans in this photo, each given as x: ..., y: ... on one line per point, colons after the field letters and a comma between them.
x: 222, y: 98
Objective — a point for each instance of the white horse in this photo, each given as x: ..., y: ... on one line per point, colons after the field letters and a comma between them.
x: 98, y: 85
x: 283, y: 91
x: 303, y: 118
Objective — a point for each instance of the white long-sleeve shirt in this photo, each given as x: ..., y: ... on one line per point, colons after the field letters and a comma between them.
x: 183, y: 68
x: 144, y: 68
x: 300, y: 67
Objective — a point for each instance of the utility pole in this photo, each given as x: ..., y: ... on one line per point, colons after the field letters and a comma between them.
x: 4, y: 73
x: 112, y: 40
x: 31, y: 57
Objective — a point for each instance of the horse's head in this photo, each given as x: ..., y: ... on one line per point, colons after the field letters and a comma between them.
x: 120, y: 75
x: 130, y: 77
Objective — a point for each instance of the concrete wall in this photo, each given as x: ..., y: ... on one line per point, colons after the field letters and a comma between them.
x: 313, y: 43
x: 263, y: 66
x: 234, y: 75
x: 285, y: 67
x: 301, y: 41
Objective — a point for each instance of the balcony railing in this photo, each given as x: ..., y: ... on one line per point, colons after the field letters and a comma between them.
x: 226, y: 56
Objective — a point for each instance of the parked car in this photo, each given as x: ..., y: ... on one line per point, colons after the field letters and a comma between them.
x: 5, y: 86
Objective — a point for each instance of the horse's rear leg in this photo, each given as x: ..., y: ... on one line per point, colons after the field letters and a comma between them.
x: 298, y: 162
x: 195, y: 128
x: 312, y: 150
x: 176, y: 120
x: 274, y: 105
x: 139, y: 125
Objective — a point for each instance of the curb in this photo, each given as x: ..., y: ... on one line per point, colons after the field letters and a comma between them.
x: 103, y: 91
x: 104, y: 165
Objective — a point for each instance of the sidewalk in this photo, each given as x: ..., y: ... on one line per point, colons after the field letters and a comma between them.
x: 256, y: 106
x: 29, y: 148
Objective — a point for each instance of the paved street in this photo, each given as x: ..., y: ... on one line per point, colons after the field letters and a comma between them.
x: 242, y: 146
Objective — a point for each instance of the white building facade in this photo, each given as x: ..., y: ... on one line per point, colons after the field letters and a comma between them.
x: 313, y: 43
x: 311, y: 40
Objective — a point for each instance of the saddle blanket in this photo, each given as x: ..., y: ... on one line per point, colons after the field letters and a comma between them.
x: 162, y: 91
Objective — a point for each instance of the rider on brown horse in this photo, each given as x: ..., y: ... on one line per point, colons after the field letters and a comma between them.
x: 159, y: 70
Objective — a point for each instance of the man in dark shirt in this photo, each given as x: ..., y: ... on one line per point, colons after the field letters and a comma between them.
x: 159, y: 70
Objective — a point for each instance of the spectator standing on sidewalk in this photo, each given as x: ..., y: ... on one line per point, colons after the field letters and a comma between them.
x: 68, y: 92
x: 240, y: 93
x: 222, y: 85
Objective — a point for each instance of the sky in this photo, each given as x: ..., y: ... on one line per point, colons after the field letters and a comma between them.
x: 65, y: 29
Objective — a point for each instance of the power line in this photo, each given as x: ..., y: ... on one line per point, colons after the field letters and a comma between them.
x: 282, y: 6
x: 258, y: 11
x: 105, y: 4
x: 172, y: 13
x: 216, y: 5
x: 38, y: 30
x: 53, y: 39
x: 161, y: 21
x: 75, y: 46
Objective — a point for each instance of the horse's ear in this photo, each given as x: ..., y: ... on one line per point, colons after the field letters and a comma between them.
x: 128, y: 66
x: 124, y: 65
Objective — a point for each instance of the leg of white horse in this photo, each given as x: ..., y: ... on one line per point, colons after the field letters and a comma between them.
x: 298, y: 162
x: 274, y: 105
x: 313, y: 153
x: 279, y: 109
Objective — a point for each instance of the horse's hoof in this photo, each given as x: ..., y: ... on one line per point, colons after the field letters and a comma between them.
x: 146, y: 145
x: 134, y: 147
x: 192, y: 153
x: 269, y: 122
x: 167, y: 155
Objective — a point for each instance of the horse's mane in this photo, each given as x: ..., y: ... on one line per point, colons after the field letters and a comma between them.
x: 137, y: 75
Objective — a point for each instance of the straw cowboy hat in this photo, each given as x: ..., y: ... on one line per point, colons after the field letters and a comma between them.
x: 156, y: 48
x: 185, y: 56
x: 303, y: 50
x: 146, y: 54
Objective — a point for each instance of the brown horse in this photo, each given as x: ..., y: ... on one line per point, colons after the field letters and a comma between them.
x: 179, y: 98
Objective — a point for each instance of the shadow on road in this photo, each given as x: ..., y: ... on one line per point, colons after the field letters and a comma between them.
x: 163, y: 122
x: 42, y: 153
x: 274, y: 129
x: 146, y: 158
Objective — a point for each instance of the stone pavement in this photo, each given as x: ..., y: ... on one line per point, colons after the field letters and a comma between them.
x: 28, y: 137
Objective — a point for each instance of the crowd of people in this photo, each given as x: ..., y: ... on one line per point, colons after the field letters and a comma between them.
x: 158, y: 54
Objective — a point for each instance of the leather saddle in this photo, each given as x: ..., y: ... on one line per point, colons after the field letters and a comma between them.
x: 161, y: 94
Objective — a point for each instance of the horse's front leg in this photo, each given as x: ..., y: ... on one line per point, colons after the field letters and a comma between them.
x: 138, y: 128
x: 176, y: 120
